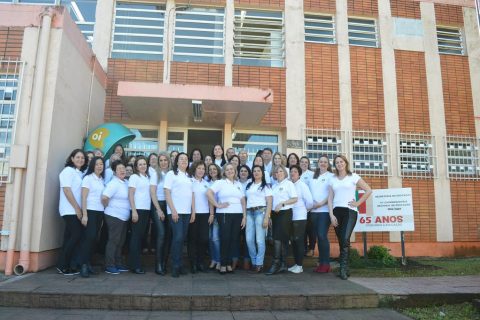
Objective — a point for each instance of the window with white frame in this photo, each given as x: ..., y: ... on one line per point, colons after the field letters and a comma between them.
x: 319, y: 28
x: 253, y: 142
x: 450, y: 40
x: 176, y: 141
x: 463, y: 157
x: 319, y: 142
x: 417, y: 156
x: 199, y: 35
x: 259, y: 38
x: 138, y: 31
x: 370, y: 153
x: 83, y: 13
x: 362, y: 32
x: 145, y: 142
x: 10, y: 83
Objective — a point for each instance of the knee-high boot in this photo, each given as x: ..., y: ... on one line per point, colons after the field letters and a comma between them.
x: 343, y: 262
x: 283, y: 258
x: 277, y: 252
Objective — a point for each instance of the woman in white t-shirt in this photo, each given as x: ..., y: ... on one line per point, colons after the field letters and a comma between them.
x: 181, y: 208
x: 284, y: 197
x: 276, y: 161
x: 342, y: 206
x: 259, y: 207
x: 310, y: 237
x: 319, y: 213
x: 70, y: 209
x: 217, y: 156
x: 92, y: 210
x: 140, y: 201
x: 231, y: 214
x: 214, y: 174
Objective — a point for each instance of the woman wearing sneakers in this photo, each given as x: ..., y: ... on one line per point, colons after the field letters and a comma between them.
x: 342, y: 206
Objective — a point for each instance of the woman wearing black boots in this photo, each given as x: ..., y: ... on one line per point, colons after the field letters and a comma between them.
x: 342, y: 206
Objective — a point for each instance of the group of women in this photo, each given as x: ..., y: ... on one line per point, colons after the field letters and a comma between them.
x: 220, y: 205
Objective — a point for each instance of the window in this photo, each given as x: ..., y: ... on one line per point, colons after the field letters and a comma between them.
x: 176, y: 141
x: 252, y: 142
x: 450, y: 41
x: 462, y: 158
x: 199, y: 35
x: 318, y: 142
x: 258, y: 38
x: 138, y: 31
x: 145, y: 142
x: 319, y: 29
x: 10, y: 84
x: 370, y: 153
x: 83, y: 13
x: 362, y: 32
x: 416, y: 156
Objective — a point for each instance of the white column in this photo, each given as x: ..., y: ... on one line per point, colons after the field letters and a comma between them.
x: 168, y: 39
x: 102, y: 31
x: 295, y: 75
x: 392, y: 126
x: 229, y: 24
x: 163, y: 135
x: 443, y: 204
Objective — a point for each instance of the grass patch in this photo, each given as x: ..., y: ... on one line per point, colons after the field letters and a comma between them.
x: 463, y: 311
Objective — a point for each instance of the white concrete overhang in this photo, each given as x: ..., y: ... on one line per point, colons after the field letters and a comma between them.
x: 153, y: 102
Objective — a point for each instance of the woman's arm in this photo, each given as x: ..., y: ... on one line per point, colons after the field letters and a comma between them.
x: 71, y: 199
x: 361, y: 184
x: 153, y: 195
x: 84, y: 206
x: 168, y: 199
x: 131, y: 199
x: 333, y: 219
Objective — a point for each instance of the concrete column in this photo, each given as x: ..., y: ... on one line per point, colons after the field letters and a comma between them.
x: 392, y: 126
x: 229, y: 24
x: 168, y: 39
x: 162, y: 135
x: 443, y: 205
x: 227, y: 136
x: 295, y: 75
x: 102, y: 31
x: 472, y: 39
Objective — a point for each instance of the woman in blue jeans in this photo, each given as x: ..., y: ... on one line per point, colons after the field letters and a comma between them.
x: 319, y: 213
x: 214, y: 174
x: 259, y: 207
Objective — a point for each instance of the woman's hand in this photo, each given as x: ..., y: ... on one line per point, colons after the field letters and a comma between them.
x: 222, y: 205
x: 266, y: 220
x: 134, y: 216
x: 210, y: 219
x: 192, y: 218
x: 175, y: 216
x: 278, y: 207
x: 78, y: 212
x: 244, y: 222
x: 161, y: 215
x: 353, y: 204
x: 84, y: 220
x: 333, y: 220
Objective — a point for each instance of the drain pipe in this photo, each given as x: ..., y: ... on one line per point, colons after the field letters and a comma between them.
x: 35, y: 121
x: 17, y: 188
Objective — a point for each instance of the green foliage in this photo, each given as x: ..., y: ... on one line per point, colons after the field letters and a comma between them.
x: 382, y: 255
x: 354, y: 259
x: 464, y: 311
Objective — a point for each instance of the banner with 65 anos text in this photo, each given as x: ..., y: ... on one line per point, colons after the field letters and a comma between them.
x: 387, y: 210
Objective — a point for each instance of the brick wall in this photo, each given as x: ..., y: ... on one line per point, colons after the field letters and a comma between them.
x: 127, y: 70
x: 368, y: 110
x: 322, y: 86
x: 367, y: 8
x: 197, y: 73
x: 11, y: 42
x: 324, y: 6
x: 446, y: 14
x: 412, y: 92
x: 264, y: 77
x: 405, y: 8
x: 466, y: 210
x: 267, y: 4
x: 457, y: 95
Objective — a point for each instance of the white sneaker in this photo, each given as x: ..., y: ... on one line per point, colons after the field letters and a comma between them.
x: 298, y: 269
x: 292, y: 268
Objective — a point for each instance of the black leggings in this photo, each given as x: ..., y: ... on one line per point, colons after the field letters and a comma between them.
x: 135, y: 248
x: 346, y: 218
x: 298, y: 235
x: 230, y: 225
x: 95, y: 220
x: 71, y: 241
x: 198, y: 238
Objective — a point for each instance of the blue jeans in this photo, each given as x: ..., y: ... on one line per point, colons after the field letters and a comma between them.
x: 255, y: 234
x: 179, y: 234
x: 214, y: 241
x: 321, y: 223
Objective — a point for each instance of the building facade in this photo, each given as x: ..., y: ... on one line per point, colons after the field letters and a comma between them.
x: 392, y: 84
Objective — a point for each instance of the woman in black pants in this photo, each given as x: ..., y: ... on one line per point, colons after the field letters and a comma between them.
x: 342, y: 206
x: 92, y: 210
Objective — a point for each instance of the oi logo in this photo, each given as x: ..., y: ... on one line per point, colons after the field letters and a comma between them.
x: 98, y: 136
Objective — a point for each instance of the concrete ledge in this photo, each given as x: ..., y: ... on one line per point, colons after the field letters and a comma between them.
x: 427, y: 299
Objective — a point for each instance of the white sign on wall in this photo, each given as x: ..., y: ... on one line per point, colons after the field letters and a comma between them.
x: 390, y: 210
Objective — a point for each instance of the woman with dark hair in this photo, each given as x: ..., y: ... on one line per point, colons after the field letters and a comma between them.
x: 181, y: 208
x: 214, y: 174
x: 231, y: 214
x: 121, y: 152
x: 284, y: 197
x: 140, y: 202
x: 117, y: 213
x: 258, y: 161
x: 199, y: 229
x: 173, y: 156
x: 319, y: 213
x: 343, y: 207
x: 92, y: 210
x: 208, y: 160
x: 131, y: 160
x: 218, y: 156
x: 70, y: 209
x: 235, y: 160
x: 292, y: 159
x: 195, y: 155
x: 259, y: 207
x: 150, y: 235
x: 152, y: 162
x: 90, y: 156
x: 244, y: 177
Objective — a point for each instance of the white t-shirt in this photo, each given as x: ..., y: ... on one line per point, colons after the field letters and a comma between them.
x: 160, y: 182
x: 344, y: 190
x: 72, y: 178
x: 118, y: 205
x: 231, y: 192
x: 218, y: 162
x: 141, y: 184
x: 180, y: 186
x: 244, y: 184
x: 283, y: 191
x: 95, y: 188
x: 256, y: 196
x: 268, y: 167
x: 108, y: 175
x: 275, y: 181
x: 200, y: 192
x: 304, y: 203
x: 307, y: 176
x: 319, y: 189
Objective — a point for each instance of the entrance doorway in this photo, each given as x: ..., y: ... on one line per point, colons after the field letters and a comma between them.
x: 204, y: 140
